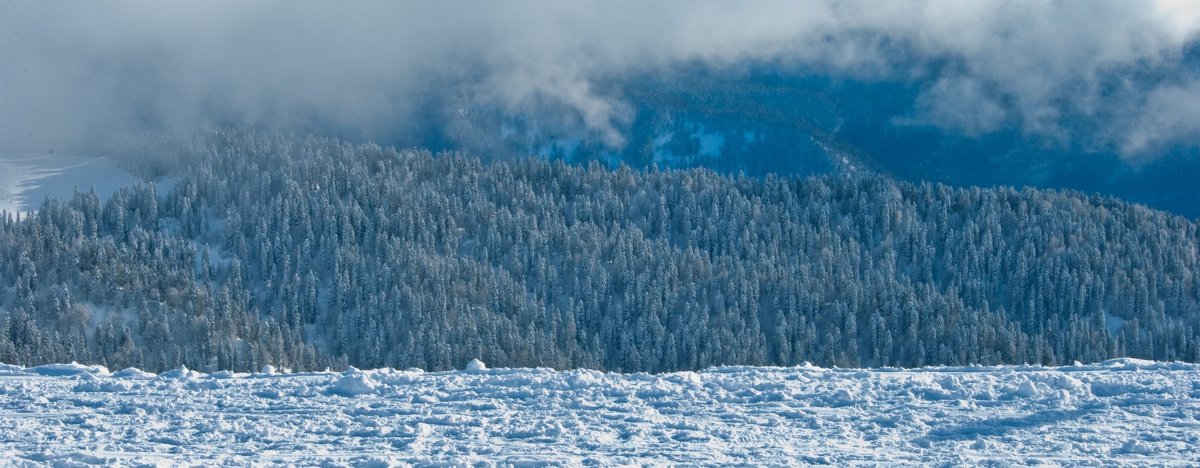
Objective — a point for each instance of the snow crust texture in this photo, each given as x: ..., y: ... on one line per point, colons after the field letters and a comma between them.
x: 1115, y: 412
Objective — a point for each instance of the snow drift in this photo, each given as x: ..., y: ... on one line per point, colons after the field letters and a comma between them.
x: 1115, y: 412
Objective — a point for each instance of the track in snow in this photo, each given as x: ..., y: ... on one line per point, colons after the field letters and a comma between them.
x: 1122, y: 411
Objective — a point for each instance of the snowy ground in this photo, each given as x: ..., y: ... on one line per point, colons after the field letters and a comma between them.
x: 1118, y: 412
x: 25, y: 180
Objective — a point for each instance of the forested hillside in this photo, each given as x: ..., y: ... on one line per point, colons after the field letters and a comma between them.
x: 308, y: 253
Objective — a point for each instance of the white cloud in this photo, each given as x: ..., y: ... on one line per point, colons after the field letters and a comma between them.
x: 961, y: 105
x: 75, y: 68
x: 1170, y: 114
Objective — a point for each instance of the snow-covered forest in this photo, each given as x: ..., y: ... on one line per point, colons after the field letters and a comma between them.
x: 260, y: 249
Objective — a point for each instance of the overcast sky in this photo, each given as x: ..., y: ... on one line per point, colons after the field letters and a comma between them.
x: 71, y: 69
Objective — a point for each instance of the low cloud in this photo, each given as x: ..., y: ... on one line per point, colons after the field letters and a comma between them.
x: 1170, y: 114
x: 73, y: 70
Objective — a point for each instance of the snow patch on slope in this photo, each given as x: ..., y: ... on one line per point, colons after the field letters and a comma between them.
x: 25, y: 180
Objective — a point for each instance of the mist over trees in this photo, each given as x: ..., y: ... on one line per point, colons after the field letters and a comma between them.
x: 306, y: 253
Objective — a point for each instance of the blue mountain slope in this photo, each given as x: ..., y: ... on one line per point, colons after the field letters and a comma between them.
x: 768, y: 121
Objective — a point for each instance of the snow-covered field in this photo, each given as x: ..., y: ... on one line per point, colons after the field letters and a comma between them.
x: 1117, y: 412
x: 25, y: 180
